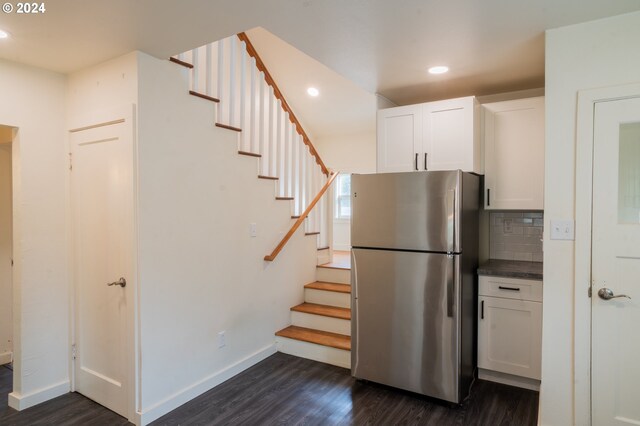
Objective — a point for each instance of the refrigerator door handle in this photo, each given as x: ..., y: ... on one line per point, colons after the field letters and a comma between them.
x: 451, y: 220
x: 451, y: 283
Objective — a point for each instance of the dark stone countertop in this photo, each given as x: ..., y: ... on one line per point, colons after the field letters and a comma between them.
x: 512, y: 269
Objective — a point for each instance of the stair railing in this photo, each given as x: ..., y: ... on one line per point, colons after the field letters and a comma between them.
x: 230, y: 73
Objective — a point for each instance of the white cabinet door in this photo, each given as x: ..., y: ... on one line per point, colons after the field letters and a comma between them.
x: 514, y: 154
x: 510, y: 336
x: 450, y: 135
x: 399, y: 136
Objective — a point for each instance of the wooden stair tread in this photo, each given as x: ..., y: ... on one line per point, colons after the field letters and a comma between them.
x: 324, y: 248
x: 312, y: 233
x: 324, y: 310
x: 295, y: 217
x: 324, y: 338
x: 335, y: 287
x: 179, y: 62
x: 203, y: 96
x: 226, y: 126
x: 268, y: 177
x: 250, y: 154
x: 285, y: 199
x: 332, y: 266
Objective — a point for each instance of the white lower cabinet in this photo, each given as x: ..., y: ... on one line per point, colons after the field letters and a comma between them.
x: 510, y: 330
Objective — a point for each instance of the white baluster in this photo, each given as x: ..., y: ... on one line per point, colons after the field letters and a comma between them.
x: 295, y: 164
x: 272, y: 140
x: 232, y: 81
x: 303, y: 175
x: 243, y: 90
x: 261, y: 127
x: 195, y: 71
x: 208, y: 70
x: 280, y: 141
x: 223, y: 102
x: 288, y: 171
x: 252, y: 111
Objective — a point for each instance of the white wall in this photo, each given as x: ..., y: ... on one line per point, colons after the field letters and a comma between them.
x: 584, y: 56
x: 351, y: 154
x: 102, y: 87
x: 40, y: 299
x: 6, y: 213
x: 200, y: 273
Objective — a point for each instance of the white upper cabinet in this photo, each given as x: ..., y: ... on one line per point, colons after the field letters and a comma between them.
x: 514, y: 154
x: 399, y: 137
x: 439, y: 135
x: 450, y: 135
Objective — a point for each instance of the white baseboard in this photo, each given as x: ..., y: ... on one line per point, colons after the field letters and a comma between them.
x: 509, y: 379
x: 187, y: 394
x: 20, y: 402
x: 6, y: 358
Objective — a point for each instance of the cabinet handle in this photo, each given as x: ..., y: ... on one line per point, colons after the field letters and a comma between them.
x: 482, y: 310
x: 508, y: 288
x: 488, y: 197
x: 425, y: 161
x: 416, y: 161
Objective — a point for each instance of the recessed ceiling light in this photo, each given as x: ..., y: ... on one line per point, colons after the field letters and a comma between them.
x: 440, y: 69
x: 4, y: 34
x: 312, y: 91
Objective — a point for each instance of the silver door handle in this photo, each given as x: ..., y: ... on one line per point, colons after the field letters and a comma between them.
x: 121, y: 282
x: 451, y: 220
x: 607, y: 294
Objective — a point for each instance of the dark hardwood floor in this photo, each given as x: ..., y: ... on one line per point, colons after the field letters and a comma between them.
x: 286, y: 390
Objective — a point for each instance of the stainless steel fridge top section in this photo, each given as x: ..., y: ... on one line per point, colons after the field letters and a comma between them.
x: 418, y: 211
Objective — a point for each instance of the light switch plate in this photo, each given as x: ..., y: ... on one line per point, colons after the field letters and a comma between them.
x: 562, y: 229
x: 253, y: 230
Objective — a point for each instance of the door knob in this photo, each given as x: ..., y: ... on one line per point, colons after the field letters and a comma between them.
x: 607, y: 294
x: 121, y: 282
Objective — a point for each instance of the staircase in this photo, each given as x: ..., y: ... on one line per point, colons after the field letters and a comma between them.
x: 321, y: 326
x: 230, y: 74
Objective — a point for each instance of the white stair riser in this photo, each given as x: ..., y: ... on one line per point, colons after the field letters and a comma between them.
x: 320, y: 322
x: 331, y: 298
x: 323, y: 257
x: 331, y: 275
x: 320, y: 353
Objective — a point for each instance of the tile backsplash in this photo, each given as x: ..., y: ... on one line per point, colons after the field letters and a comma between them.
x: 515, y: 235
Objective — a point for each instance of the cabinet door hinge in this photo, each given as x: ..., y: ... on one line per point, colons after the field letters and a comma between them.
x: 74, y: 351
x: 589, y: 292
x: 70, y: 161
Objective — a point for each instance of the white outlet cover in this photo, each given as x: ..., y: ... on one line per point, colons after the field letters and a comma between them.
x: 221, y: 340
x: 253, y: 230
x: 562, y: 229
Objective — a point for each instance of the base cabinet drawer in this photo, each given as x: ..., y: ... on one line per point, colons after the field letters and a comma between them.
x: 510, y: 336
x: 510, y: 288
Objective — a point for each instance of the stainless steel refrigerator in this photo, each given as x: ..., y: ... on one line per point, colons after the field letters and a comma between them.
x: 413, y: 275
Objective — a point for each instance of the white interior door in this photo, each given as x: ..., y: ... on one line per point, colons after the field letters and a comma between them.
x: 616, y: 264
x: 102, y: 200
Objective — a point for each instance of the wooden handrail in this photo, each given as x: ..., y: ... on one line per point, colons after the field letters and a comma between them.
x: 278, y: 94
x: 296, y: 225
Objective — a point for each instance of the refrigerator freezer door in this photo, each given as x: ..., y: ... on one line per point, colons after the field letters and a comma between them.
x: 405, y: 316
x: 407, y: 211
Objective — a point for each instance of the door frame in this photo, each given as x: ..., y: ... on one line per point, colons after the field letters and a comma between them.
x: 127, y: 115
x: 587, y: 100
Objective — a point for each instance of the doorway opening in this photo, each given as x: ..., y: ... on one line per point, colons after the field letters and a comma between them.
x: 6, y: 246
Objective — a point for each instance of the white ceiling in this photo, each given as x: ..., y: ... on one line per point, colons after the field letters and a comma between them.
x: 382, y: 46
